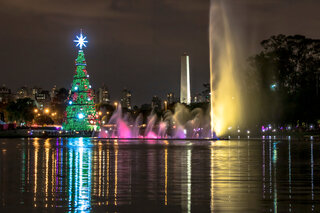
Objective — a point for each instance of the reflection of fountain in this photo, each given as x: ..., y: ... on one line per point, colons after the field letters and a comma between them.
x: 186, y: 181
x: 212, y: 178
x: 225, y: 96
x: 183, y: 123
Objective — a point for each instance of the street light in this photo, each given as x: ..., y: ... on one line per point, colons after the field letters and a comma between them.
x: 36, y: 110
x: 47, y: 111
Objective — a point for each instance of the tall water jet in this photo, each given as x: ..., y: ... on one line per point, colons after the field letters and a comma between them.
x: 225, y: 98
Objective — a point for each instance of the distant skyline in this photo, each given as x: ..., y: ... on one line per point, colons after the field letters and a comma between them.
x: 135, y: 44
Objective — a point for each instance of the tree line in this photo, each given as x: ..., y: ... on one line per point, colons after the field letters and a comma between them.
x: 283, y: 80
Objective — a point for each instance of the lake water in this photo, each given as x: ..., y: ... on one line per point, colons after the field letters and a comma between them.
x: 83, y: 174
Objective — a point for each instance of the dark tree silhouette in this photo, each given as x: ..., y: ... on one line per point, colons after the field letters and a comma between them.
x: 44, y: 120
x: 21, y: 110
x: 288, y: 78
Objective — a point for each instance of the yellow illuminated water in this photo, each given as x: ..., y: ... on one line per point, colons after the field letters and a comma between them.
x: 225, y: 96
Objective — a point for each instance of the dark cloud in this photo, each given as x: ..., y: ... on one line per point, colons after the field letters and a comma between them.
x: 133, y: 43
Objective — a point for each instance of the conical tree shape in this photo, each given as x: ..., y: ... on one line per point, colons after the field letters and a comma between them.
x: 80, y: 114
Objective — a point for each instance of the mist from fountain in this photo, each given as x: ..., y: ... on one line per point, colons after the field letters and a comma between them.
x: 225, y: 104
x: 181, y: 124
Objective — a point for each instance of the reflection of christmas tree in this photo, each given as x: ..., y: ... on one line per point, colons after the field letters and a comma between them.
x: 80, y: 114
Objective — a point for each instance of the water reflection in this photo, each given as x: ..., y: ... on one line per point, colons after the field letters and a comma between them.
x: 274, y: 161
x: 82, y: 174
x: 289, y: 175
x: 211, y: 177
x: 115, y: 171
x: 35, y: 174
x: 79, y: 175
x: 186, y: 181
x: 166, y: 173
x: 312, y: 183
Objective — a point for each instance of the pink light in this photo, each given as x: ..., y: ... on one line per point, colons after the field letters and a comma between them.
x: 151, y: 135
x: 122, y: 126
x: 123, y: 130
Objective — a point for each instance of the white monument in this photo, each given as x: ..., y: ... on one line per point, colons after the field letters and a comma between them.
x: 185, y: 96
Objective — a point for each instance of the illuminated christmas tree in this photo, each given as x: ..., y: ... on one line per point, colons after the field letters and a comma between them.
x: 80, y: 114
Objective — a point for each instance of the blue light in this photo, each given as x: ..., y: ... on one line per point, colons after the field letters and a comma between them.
x: 76, y: 88
x: 81, y: 41
x: 80, y: 116
x: 273, y: 87
x: 70, y: 102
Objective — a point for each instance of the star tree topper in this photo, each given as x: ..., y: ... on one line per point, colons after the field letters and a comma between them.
x: 81, y: 41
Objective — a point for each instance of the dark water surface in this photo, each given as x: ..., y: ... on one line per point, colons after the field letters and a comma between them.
x: 82, y: 175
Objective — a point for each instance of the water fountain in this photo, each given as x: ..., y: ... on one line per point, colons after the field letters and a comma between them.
x: 181, y: 124
x: 225, y: 102
x: 225, y: 96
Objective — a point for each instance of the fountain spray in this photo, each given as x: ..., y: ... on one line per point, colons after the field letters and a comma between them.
x: 225, y: 100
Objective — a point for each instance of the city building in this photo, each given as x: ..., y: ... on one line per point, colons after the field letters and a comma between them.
x: 5, y: 95
x: 185, y: 96
x: 198, y: 98
x: 35, y: 91
x: 156, y: 103
x: 43, y: 99
x: 23, y: 92
x: 170, y: 98
x: 103, y: 95
x: 53, y: 92
x: 126, y: 99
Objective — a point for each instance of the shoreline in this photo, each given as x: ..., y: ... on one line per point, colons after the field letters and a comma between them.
x: 25, y: 133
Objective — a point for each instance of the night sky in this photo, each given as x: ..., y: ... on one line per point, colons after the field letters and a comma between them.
x: 133, y: 43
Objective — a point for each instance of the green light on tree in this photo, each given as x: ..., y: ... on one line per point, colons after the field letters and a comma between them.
x: 80, y: 114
